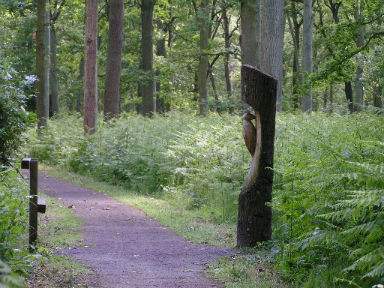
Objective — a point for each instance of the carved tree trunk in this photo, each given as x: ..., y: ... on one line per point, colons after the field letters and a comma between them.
x: 113, y: 63
x: 255, y: 215
x: 42, y: 63
x: 90, y: 87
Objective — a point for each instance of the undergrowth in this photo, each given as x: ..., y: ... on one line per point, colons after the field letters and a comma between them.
x: 14, y: 259
x: 328, y: 189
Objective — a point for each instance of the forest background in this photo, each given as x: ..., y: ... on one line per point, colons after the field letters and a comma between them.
x: 328, y: 190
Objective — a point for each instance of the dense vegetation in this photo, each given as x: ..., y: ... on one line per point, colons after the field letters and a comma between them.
x: 13, y: 119
x: 328, y: 197
x: 328, y: 191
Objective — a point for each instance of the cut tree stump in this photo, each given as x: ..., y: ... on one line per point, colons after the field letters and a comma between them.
x: 258, y: 90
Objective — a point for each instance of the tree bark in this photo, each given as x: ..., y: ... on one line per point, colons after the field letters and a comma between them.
x: 42, y: 63
x: 273, y: 42
x: 295, y: 27
x: 249, y: 43
x: 349, y: 95
x: 227, y: 43
x: 148, y: 86
x: 202, y: 18
x: 359, y: 90
x: 307, y: 55
x: 80, y: 78
x: 255, y: 214
x: 160, y: 51
x: 90, y: 87
x: 54, y: 88
x: 113, y: 62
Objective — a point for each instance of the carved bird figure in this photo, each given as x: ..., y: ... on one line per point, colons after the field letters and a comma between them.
x: 249, y: 132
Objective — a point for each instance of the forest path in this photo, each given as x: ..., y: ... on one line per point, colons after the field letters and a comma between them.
x: 126, y: 248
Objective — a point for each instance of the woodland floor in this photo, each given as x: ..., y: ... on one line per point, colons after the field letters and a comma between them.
x: 126, y: 248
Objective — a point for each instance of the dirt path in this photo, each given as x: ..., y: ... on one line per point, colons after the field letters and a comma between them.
x: 128, y: 249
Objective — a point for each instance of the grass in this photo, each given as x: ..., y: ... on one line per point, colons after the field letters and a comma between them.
x: 58, y: 229
x: 251, y: 269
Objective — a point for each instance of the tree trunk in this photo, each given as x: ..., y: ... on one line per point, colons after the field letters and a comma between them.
x: 273, y: 42
x: 378, y: 97
x: 227, y: 44
x: 148, y: 87
x: 294, y: 28
x: 307, y: 55
x: 213, y: 84
x: 202, y: 19
x: 250, y: 45
x: 54, y: 97
x: 255, y: 214
x: 113, y: 62
x: 359, y: 92
x: 42, y: 63
x: 160, y: 51
x: 349, y: 96
x: 90, y: 87
x: 80, y: 93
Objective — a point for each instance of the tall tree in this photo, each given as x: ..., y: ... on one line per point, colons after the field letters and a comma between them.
x: 359, y: 91
x: 53, y: 84
x: 307, y: 54
x: 250, y: 29
x: 113, y: 62
x: 202, y: 18
x: 227, y: 44
x: 90, y: 85
x: 295, y: 24
x: 42, y: 63
x: 148, y: 86
x: 160, y: 51
x: 273, y: 42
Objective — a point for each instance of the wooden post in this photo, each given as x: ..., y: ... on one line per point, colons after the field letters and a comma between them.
x: 36, y: 204
x: 258, y: 90
x: 33, y: 182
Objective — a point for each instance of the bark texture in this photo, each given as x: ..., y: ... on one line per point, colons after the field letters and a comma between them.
x: 148, y: 86
x: 359, y: 90
x: 273, y: 42
x: 160, y: 51
x: 202, y: 19
x: 80, y: 78
x: 307, y: 55
x: 90, y: 87
x: 227, y: 71
x: 113, y: 63
x: 254, y: 215
x: 42, y: 63
x: 250, y: 45
x: 54, y: 87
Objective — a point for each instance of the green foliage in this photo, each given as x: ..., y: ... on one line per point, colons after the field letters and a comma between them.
x: 12, y: 113
x: 328, y: 190
x: 13, y: 260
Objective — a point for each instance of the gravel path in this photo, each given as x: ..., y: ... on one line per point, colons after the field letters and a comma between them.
x: 128, y: 249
